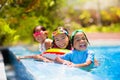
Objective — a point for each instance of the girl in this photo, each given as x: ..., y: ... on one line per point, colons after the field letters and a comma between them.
x: 40, y: 35
x: 61, y: 41
x: 80, y: 56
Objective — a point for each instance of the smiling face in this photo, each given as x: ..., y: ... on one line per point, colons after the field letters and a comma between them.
x: 61, y: 40
x: 39, y: 34
x: 40, y: 38
x: 80, y: 41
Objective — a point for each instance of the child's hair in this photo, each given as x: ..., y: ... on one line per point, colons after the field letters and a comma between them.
x: 42, y: 28
x: 75, y: 32
x: 60, y: 30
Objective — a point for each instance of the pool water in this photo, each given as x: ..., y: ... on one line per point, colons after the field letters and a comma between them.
x: 108, y: 57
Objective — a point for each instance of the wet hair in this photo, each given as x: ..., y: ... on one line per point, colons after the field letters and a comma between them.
x: 75, y: 32
x: 69, y: 43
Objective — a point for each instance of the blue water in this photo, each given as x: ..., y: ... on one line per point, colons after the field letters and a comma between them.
x: 108, y: 57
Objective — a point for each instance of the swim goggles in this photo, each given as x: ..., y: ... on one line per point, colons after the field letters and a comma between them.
x: 60, y: 30
x: 38, y: 33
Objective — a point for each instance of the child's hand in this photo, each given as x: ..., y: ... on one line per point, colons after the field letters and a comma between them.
x: 67, y: 63
x: 72, y: 65
x: 96, y: 63
x: 19, y: 57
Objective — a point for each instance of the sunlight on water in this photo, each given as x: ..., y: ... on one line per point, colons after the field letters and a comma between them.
x: 109, y: 62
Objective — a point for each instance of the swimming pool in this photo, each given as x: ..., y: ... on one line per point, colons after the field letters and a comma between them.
x: 108, y: 57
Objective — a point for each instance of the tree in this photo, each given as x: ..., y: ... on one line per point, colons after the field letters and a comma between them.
x: 23, y: 15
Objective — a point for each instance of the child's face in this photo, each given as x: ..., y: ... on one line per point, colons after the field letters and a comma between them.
x: 80, y: 42
x: 61, y: 40
x: 40, y: 38
x: 39, y: 35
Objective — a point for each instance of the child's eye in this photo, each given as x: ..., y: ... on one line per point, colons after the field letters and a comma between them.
x: 37, y: 30
x: 56, y: 40
x: 83, y: 38
x: 63, y: 37
x: 77, y: 39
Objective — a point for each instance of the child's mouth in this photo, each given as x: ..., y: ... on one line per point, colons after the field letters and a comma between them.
x: 82, y: 45
x: 62, y: 45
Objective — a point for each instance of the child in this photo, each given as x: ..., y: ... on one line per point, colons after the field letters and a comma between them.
x: 61, y: 41
x: 80, y: 56
x: 40, y: 35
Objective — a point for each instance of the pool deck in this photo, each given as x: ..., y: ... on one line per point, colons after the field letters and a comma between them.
x: 38, y: 70
x: 108, y: 39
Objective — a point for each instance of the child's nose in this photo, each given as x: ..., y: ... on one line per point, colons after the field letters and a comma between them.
x: 62, y: 40
x: 82, y: 40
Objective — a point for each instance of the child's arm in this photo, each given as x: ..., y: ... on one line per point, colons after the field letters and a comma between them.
x: 89, y: 60
x: 24, y: 57
x: 58, y: 59
x: 87, y: 63
x: 96, y: 62
x: 40, y: 57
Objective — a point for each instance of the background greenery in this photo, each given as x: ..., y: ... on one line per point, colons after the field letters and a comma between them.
x: 19, y: 17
